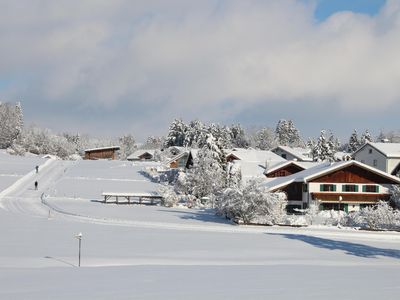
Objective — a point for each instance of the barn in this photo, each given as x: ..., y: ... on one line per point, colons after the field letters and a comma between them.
x: 102, y: 153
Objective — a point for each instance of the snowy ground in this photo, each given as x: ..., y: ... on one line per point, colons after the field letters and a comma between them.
x: 151, y: 252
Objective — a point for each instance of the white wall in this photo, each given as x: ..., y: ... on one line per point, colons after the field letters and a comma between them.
x: 367, y: 158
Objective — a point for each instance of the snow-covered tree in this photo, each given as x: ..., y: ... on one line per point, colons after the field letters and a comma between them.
x: 195, y: 135
x: 238, y: 137
x: 153, y: 142
x: 264, y: 139
x: 234, y: 175
x: 354, y: 142
x: 287, y: 134
x: 252, y: 201
x: 176, y: 134
x: 222, y: 134
x: 207, y: 177
x: 324, y: 149
x: 11, y: 123
x: 366, y: 137
x: 127, y: 146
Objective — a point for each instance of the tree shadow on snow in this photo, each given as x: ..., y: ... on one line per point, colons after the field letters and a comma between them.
x: 359, y: 250
x: 204, y: 215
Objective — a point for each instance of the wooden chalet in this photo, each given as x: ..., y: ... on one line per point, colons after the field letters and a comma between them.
x: 141, y: 155
x: 347, y: 186
x: 288, y: 168
x: 102, y: 153
x: 183, y: 160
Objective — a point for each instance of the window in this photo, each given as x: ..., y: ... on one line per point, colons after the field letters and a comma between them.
x: 370, y: 188
x: 370, y: 151
x: 349, y: 188
x: 375, y: 162
x: 281, y: 173
x: 327, y: 188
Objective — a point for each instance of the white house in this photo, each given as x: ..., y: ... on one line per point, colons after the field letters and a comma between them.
x: 289, y: 153
x: 383, y: 156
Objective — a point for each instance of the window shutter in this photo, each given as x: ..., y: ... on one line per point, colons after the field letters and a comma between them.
x: 321, y: 187
x: 334, y: 187
x: 343, y: 188
x: 377, y: 188
x: 364, y: 188
x: 356, y: 188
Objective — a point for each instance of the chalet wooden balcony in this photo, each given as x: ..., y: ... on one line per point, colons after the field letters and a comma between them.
x: 330, y: 197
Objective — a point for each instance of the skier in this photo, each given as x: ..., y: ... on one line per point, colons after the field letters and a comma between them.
x: 36, y: 185
x: 37, y: 169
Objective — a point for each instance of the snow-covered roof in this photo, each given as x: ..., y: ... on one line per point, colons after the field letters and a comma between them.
x: 250, y: 170
x: 103, y: 148
x: 387, y: 149
x: 322, y: 169
x: 184, y: 152
x: 139, y: 153
x: 257, y: 156
x: 298, y: 152
x: 342, y: 156
x: 302, y: 164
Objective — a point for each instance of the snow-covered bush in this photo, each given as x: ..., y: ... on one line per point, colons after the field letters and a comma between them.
x: 379, y: 217
x: 252, y: 202
x: 169, y: 197
x: 395, y: 196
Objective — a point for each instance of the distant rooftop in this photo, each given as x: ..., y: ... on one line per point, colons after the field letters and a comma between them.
x: 102, y: 148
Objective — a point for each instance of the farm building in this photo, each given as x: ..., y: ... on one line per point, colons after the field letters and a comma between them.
x: 102, y: 153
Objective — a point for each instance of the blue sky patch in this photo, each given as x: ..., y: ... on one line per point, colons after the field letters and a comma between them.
x: 326, y: 8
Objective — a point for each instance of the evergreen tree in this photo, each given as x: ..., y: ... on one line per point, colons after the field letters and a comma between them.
x: 208, y: 177
x: 176, y: 134
x: 287, y: 134
x: 265, y: 139
x: 238, y: 138
x: 323, y: 149
x: 354, y: 142
x: 365, y: 138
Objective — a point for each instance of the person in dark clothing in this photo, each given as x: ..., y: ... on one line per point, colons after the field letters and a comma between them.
x: 36, y: 185
x: 37, y: 169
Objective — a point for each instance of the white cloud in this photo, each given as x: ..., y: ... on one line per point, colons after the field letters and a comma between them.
x: 197, y: 55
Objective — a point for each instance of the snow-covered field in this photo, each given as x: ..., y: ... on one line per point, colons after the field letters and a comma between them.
x: 152, y: 252
x: 13, y: 167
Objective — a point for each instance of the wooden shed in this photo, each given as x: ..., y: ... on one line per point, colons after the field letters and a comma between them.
x: 102, y: 153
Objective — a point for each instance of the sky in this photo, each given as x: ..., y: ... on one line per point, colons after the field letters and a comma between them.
x: 109, y: 68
